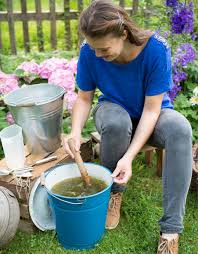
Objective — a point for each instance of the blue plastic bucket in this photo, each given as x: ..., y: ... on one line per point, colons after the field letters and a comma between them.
x: 80, y: 221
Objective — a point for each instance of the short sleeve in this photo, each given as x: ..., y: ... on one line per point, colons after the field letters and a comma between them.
x: 159, y: 78
x: 84, y: 78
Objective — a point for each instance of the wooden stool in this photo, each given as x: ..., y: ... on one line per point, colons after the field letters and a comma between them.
x: 148, y: 153
x: 10, y: 182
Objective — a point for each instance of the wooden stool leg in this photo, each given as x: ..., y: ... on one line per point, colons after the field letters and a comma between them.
x: 148, y: 157
x: 160, y: 158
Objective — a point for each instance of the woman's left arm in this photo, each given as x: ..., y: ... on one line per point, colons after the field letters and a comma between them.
x: 149, y: 117
x: 148, y: 120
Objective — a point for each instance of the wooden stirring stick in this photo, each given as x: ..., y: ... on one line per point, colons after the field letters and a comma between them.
x: 79, y: 162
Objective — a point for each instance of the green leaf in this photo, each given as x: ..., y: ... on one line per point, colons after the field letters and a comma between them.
x: 181, y: 102
x: 19, y: 73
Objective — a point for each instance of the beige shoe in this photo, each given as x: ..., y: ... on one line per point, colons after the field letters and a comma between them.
x: 168, y: 246
x: 113, y: 215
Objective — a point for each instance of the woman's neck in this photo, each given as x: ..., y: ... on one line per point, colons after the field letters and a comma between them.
x: 129, y: 52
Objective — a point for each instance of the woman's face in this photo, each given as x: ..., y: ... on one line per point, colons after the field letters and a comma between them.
x: 108, y: 47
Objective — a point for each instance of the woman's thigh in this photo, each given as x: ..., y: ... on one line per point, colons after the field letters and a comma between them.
x: 111, y: 116
x: 170, y: 125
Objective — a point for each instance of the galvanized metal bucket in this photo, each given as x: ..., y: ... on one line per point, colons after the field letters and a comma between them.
x: 38, y: 110
x: 9, y: 216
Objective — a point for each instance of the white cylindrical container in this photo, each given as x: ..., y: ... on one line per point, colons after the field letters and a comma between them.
x: 13, y: 146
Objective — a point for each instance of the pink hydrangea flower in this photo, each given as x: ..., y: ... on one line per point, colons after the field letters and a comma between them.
x: 73, y: 65
x: 9, y: 118
x: 48, y: 66
x: 63, y: 78
x: 70, y: 98
x: 30, y: 67
x: 8, y: 82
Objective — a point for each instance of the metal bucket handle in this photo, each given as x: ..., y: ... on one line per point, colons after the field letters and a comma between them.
x: 42, y: 182
x: 62, y: 200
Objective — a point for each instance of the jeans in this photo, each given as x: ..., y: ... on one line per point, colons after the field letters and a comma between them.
x: 172, y: 132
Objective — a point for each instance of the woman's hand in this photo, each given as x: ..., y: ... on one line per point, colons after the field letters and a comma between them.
x: 123, y: 171
x: 77, y: 142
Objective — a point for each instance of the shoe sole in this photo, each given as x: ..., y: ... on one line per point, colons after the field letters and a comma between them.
x: 112, y: 227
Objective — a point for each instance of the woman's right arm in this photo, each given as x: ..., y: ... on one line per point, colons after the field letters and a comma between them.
x: 80, y: 114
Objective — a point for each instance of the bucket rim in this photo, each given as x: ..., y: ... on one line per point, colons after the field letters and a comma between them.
x: 78, y: 198
x: 61, y: 93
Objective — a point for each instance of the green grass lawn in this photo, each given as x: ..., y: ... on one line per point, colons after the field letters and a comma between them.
x: 138, y: 230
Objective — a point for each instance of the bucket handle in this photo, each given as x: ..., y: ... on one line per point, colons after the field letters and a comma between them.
x: 67, y: 202
x: 42, y: 182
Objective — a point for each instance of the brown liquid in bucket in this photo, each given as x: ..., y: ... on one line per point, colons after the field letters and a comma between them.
x: 74, y: 187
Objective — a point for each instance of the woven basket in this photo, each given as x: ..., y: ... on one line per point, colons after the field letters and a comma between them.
x: 194, y: 182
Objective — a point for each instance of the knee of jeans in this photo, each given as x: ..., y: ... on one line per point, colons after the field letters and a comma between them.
x: 181, y: 128
x: 117, y: 127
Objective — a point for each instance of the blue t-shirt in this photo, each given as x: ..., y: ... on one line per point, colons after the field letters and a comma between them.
x: 127, y: 84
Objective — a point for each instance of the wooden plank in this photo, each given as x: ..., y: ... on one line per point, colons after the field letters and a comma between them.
x: 10, y: 182
x: 67, y: 25
x: 135, y: 6
x: 60, y: 153
x: 12, y: 187
x: 80, y: 5
x: 122, y: 3
x: 39, y: 25
x: 24, y: 211
x: 96, y: 137
x: 147, y: 14
x: 10, y: 18
x: 32, y: 16
x: 160, y: 161
x: 86, y: 153
x: 1, y: 45
x: 148, y: 157
x: 26, y: 39
x: 80, y: 8
x: 7, y: 178
x: 146, y: 148
x: 53, y: 24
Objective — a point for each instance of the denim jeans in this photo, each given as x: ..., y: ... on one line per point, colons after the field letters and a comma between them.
x: 172, y: 132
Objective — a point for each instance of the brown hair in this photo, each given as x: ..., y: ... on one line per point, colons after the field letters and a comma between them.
x: 102, y: 17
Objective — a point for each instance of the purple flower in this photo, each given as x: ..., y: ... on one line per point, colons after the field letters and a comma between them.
x: 174, y: 91
x: 9, y: 118
x: 193, y: 36
x: 184, y: 55
x: 179, y: 76
x: 166, y: 34
x: 183, y: 18
x: 171, y: 3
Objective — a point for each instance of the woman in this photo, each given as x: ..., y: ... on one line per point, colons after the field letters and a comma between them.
x: 132, y: 69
